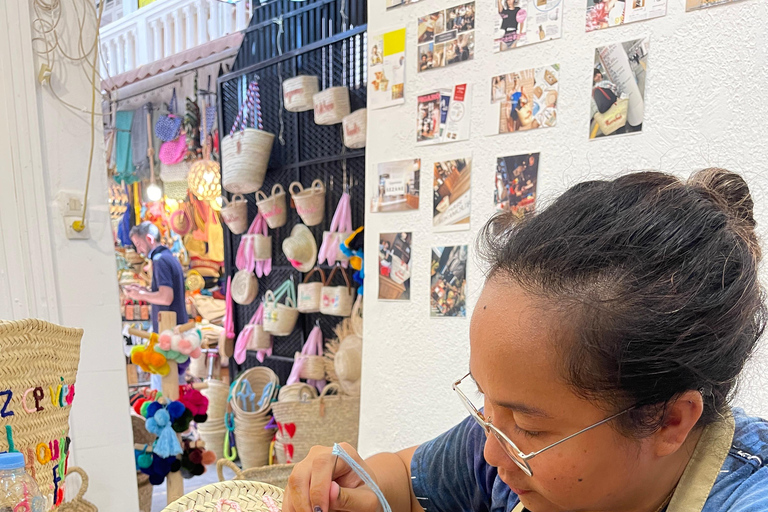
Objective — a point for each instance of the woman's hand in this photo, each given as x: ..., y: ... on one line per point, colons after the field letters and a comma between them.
x: 315, y: 486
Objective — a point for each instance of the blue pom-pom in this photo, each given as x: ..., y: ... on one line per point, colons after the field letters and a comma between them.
x: 175, y: 410
x: 153, y: 408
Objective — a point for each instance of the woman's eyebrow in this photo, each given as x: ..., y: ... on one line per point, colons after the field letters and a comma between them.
x: 515, y: 406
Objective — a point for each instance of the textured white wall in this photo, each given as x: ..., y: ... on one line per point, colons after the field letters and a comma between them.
x: 706, y: 104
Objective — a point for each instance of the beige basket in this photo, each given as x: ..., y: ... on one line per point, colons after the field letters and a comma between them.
x: 323, y: 421
x: 216, y: 393
x: 38, y: 357
x: 310, y: 202
x: 249, y: 497
x: 258, y: 377
x: 213, y: 437
x: 309, y: 294
x: 298, y: 92
x: 245, y: 157
x: 262, y: 247
x: 235, y: 214
x: 313, y: 367
x: 279, y: 319
x: 337, y: 300
x: 253, y: 442
x: 259, y: 339
x: 276, y: 475
x: 245, y: 287
x: 298, y: 392
x: 355, y: 128
x: 273, y: 208
x: 79, y: 504
x: 331, y: 105
x: 616, y: 116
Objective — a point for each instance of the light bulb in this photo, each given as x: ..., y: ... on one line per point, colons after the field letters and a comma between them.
x: 154, y: 193
x: 219, y: 201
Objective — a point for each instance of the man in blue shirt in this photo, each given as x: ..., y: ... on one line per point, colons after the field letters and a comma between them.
x: 167, y: 292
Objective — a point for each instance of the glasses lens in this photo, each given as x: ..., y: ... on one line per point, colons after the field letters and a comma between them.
x: 512, y: 451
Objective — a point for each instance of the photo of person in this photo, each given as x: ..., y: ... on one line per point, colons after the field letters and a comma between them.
x: 395, y: 266
x: 612, y: 13
x: 524, y: 100
x: 451, y: 190
x: 448, y: 284
x: 446, y: 37
x: 523, y: 22
x: 397, y: 186
x: 516, y: 178
x: 428, y: 126
x: 618, y: 88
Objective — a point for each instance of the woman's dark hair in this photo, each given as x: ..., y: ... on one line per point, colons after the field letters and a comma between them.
x: 659, y: 279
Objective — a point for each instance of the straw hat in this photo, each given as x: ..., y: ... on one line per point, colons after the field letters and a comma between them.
x: 301, y: 248
x: 348, y: 364
x: 180, y: 222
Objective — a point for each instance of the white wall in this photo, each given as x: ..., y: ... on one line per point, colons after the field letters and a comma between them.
x: 44, y: 275
x: 706, y: 104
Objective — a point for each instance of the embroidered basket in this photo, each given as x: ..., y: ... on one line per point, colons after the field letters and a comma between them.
x: 235, y: 214
x: 273, y: 208
x: 337, y: 300
x: 280, y: 319
x: 331, y: 105
x: 79, y: 504
x: 355, y: 128
x: 38, y: 366
x: 310, y: 202
x: 613, y: 118
x: 309, y: 294
x: 298, y: 92
x: 248, y: 497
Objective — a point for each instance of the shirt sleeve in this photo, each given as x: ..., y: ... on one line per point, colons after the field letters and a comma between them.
x: 163, y: 272
x: 449, y: 473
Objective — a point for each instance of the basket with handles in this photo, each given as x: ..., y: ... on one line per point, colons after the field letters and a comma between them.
x: 310, y: 202
x: 280, y: 319
x: 298, y: 92
x: 309, y: 294
x: 331, y: 105
x: 337, y: 300
x: 355, y: 128
x: 79, y: 504
x: 245, y: 153
x: 276, y: 474
x: 273, y: 208
x: 234, y: 213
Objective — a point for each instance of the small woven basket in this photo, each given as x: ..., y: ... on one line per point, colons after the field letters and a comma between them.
x: 309, y: 294
x: 213, y: 436
x: 249, y: 497
x: 253, y: 442
x: 276, y: 475
x: 355, y: 128
x: 313, y: 367
x: 258, y: 377
x: 298, y: 92
x: 245, y: 157
x: 235, y: 214
x: 273, y: 208
x: 298, y: 392
x: 310, y: 202
x: 245, y: 287
x: 216, y: 393
x: 279, y: 319
x: 331, y: 105
x: 259, y: 338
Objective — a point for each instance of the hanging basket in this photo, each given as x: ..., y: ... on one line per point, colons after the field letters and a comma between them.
x: 310, y: 202
x: 235, y: 214
x: 262, y: 247
x: 337, y: 300
x: 204, y: 180
x: 331, y: 105
x: 313, y: 367
x: 355, y: 128
x: 175, y: 172
x: 309, y: 294
x: 298, y: 92
x: 245, y: 287
x: 259, y: 338
x: 273, y: 208
x: 279, y: 319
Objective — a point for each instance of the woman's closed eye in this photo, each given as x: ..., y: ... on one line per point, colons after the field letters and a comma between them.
x: 528, y: 433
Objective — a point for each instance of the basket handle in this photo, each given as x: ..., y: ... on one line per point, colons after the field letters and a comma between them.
x: 260, y: 196
x: 333, y: 273
x: 231, y: 465
x: 318, y: 184
x: 294, y: 185
x: 83, y: 485
x: 278, y: 189
x: 312, y: 272
x: 237, y: 198
x: 333, y: 386
x: 269, y: 296
x: 225, y: 201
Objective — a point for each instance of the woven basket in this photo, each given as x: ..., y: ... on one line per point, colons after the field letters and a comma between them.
x: 309, y: 294
x: 258, y: 377
x: 337, y: 300
x: 279, y: 319
x: 273, y: 208
x: 259, y: 338
x: 175, y: 172
x: 145, y: 492
x: 276, y: 475
x: 213, y: 437
x: 79, y: 504
x: 176, y: 190
x: 38, y: 355
x: 235, y: 214
x: 245, y: 156
x: 298, y: 392
x: 298, y: 92
x: 310, y: 202
x: 217, y: 393
x: 253, y: 443
x: 262, y: 247
x: 249, y: 496
x: 355, y: 128
x: 331, y: 105
x: 323, y: 421
x: 245, y: 287
x: 313, y: 367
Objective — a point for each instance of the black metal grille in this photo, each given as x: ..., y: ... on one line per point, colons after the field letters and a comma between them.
x: 314, y: 41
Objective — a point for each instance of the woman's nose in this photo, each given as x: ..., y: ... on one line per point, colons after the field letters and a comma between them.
x: 495, y: 455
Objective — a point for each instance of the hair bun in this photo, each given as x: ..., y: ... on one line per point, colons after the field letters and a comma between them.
x: 729, y: 191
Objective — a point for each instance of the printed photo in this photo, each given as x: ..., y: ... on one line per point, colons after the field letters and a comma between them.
x: 395, y: 266
x: 612, y: 13
x: 452, y: 187
x: 618, y: 88
x: 516, y: 178
x: 391, y: 4
x: 448, y: 285
x: 524, y: 100
x: 443, y: 115
x: 694, y: 5
x: 446, y: 37
x: 397, y: 187
x: 428, y: 127
x: 523, y: 22
x: 386, y: 69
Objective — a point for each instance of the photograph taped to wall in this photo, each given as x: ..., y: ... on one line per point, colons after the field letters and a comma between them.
x: 448, y: 283
x: 516, y: 181
x: 524, y: 100
x: 391, y: 4
x: 395, y: 266
x: 612, y: 13
x: 386, y: 69
x: 523, y: 22
x: 446, y: 37
x: 695, y: 5
x: 397, y: 186
x: 452, y: 190
x: 618, y: 88
x: 444, y: 115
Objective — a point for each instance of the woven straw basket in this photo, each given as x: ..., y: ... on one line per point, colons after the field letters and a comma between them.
x: 298, y: 392
x: 216, y: 393
x: 355, y: 128
x: 245, y: 287
x: 298, y: 92
x: 245, y: 156
x: 310, y: 202
x: 259, y: 338
x: 273, y: 208
x: 79, y: 504
x: 313, y: 367
x: 309, y: 294
x: 213, y: 436
x: 279, y: 319
x: 258, y: 377
x: 331, y: 105
x: 276, y: 475
x: 253, y: 442
x: 337, y: 300
x: 235, y: 214
x: 262, y: 247
x: 38, y: 357
x: 323, y: 421
x: 249, y: 497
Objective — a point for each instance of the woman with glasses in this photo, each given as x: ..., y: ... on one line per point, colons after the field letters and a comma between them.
x: 605, y: 348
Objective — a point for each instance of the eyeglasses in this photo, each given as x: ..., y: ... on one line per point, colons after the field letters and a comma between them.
x: 510, y: 448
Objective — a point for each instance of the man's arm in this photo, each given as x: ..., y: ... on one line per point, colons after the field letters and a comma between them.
x: 162, y: 297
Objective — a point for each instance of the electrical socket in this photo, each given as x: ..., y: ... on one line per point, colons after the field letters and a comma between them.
x: 69, y: 221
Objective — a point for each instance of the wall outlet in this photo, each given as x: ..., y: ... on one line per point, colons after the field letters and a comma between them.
x: 69, y: 221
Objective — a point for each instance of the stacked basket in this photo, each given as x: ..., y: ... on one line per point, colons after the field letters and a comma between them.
x: 252, y: 437
x: 213, y: 430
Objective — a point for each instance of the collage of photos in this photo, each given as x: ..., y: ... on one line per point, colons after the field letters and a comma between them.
x: 444, y: 115
x: 391, y: 4
x: 612, y: 13
x: 386, y: 69
x: 524, y: 100
x: 395, y: 266
x: 523, y: 22
x: 446, y: 37
x: 618, y: 88
x: 397, y: 189
x: 516, y: 179
x: 452, y: 187
x: 448, y: 285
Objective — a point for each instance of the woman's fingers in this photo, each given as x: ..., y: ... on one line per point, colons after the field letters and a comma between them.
x: 320, y: 485
x: 362, y: 499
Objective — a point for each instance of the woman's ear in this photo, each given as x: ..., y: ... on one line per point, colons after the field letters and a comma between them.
x: 680, y: 418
